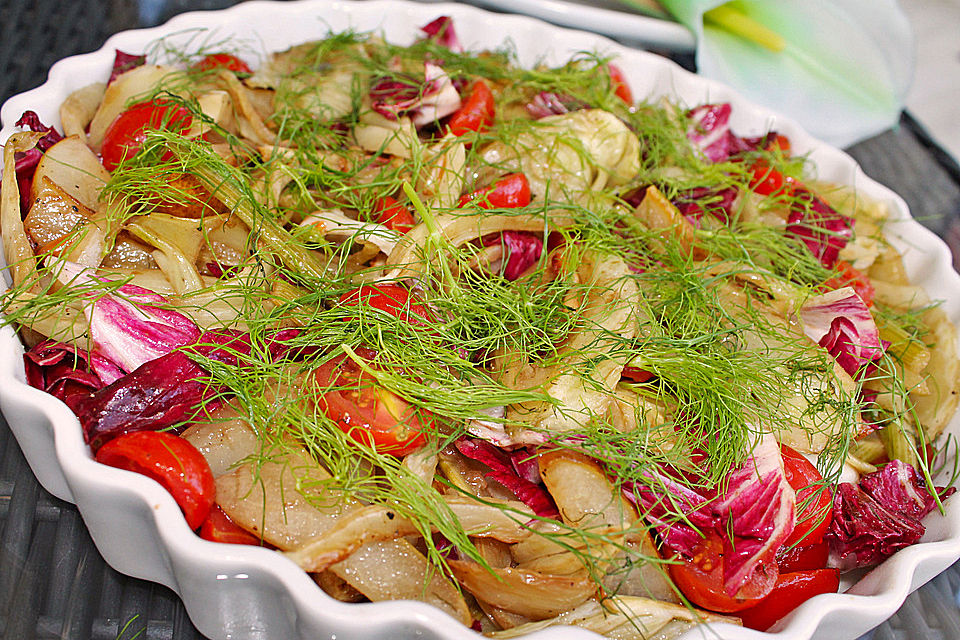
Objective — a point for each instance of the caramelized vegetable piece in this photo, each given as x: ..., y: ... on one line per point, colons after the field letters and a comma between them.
x: 72, y: 166
x: 395, y: 570
x: 528, y: 593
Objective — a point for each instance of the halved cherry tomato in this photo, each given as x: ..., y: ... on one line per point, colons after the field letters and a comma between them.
x: 766, y: 180
x: 635, y: 374
x: 389, y: 298
x: 367, y: 412
x: 791, y: 590
x: 218, y: 527
x: 814, y: 502
x: 509, y: 192
x: 393, y: 215
x: 226, y: 61
x: 619, y: 82
x: 125, y: 135
x: 803, y: 558
x: 849, y: 276
x: 170, y: 460
x: 701, y: 579
x: 476, y: 113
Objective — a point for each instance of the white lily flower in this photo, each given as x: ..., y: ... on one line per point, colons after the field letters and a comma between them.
x: 841, y: 68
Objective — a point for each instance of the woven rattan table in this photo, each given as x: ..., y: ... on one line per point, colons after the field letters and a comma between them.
x: 53, y: 581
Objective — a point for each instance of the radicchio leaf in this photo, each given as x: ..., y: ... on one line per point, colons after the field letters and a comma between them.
x: 442, y: 32
x: 762, y: 513
x: 513, y: 472
x: 123, y: 62
x: 129, y: 326
x: 60, y: 370
x: 424, y: 101
x: 27, y: 161
x: 660, y: 498
x: 753, y: 517
x: 160, y: 393
x: 709, y: 131
x: 523, y: 250
x: 171, y: 389
x: 840, y: 322
x: 548, y: 103
x: 899, y: 486
x: 824, y: 230
x: 31, y: 120
x: 880, y: 516
x: 693, y: 203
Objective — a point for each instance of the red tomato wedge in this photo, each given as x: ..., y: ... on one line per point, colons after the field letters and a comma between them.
x: 226, y: 61
x: 389, y: 298
x: 509, y: 192
x: 803, y: 558
x: 619, y: 82
x: 476, y: 113
x: 765, y: 180
x: 814, y: 502
x: 368, y: 413
x: 218, y: 527
x: 125, y: 135
x: 849, y: 276
x: 635, y: 374
x: 393, y: 215
x: 170, y: 460
x: 701, y: 579
x: 791, y: 590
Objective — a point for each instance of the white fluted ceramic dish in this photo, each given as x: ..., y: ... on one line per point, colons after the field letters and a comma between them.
x: 607, y: 17
x: 241, y: 592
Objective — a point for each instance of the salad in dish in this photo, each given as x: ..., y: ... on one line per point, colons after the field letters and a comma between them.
x: 437, y: 327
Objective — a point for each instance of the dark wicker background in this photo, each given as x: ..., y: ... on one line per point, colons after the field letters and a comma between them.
x: 54, y: 583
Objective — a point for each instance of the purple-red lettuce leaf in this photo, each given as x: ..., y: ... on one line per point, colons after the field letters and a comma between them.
x: 522, y: 250
x: 548, y: 103
x: 709, y: 131
x: 693, y: 203
x: 840, y: 322
x: 60, y: 370
x: 898, y: 485
x: 442, y: 32
x: 526, y: 464
x: 27, y: 161
x: 30, y: 120
x: 159, y: 394
x: 174, y: 387
x: 761, y: 514
x: 424, y: 100
x: 824, y: 230
x: 132, y: 327
x: 879, y: 516
x: 129, y: 326
x: 503, y: 470
x: 753, y: 516
x: 123, y: 62
x: 661, y: 499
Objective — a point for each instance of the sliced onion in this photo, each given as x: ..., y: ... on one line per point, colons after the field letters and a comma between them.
x: 395, y: 570
x: 532, y: 594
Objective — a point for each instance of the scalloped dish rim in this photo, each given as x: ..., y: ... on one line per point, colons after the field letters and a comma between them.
x: 232, y: 592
